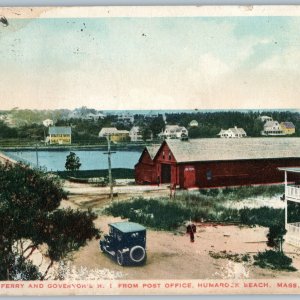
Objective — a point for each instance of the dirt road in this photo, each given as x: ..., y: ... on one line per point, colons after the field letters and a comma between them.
x: 87, y: 196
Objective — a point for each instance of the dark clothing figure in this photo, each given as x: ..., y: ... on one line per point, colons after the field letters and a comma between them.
x: 191, y: 229
x: 192, y: 237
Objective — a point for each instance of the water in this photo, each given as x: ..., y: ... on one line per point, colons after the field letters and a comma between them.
x: 90, y: 160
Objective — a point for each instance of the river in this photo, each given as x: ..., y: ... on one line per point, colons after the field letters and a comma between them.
x: 90, y: 159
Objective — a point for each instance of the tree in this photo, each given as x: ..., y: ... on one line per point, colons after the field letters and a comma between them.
x: 30, y: 217
x: 275, y: 237
x: 157, y: 125
x: 72, y: 162
x: 146, y: 133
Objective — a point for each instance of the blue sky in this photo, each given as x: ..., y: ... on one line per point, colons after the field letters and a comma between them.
x: 151, y: 63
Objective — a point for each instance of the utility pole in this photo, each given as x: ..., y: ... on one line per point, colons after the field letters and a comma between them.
x: 37, y: 156
x: 109, y: 153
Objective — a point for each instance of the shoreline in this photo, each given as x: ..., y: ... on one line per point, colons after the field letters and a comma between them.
x: 120, y: 147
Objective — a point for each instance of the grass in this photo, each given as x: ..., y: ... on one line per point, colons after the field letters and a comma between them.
x: 244, y: 192
x: 231, y: 256
x: 274, y: 260
x: 207, y: 206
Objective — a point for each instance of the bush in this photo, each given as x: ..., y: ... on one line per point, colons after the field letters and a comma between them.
x: 263, y: 216
x: 152, y: 213
x: 274, y: 260
x: 166, y: 215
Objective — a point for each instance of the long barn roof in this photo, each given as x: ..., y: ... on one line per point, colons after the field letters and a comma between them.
x: 216, y: 149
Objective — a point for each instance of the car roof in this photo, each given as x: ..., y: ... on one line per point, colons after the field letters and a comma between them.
x: 127, y: 227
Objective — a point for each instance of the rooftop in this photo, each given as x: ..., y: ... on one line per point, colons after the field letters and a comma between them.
x: 288, y: 124
x: 127, y: 227
x: 152, y: 150
x: 291, y: 170
x: 105, y: 131
x: 60, y: 130
x: 215, y: 149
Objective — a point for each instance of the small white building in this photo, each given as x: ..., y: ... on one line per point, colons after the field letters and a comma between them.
x: 174, y: 132
x: 135, y: 134
x: 94, y: 117
x: 234, y: 132
x: 272, y: 128
x: 126, y: 118
x: 193, y: 123
x: 265, y: 118
x: 48, y: 123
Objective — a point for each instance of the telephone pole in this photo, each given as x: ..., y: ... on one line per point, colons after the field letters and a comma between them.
x: 109, y: 153
x: 37, y: 155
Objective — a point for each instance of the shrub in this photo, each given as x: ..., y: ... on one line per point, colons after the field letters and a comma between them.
x: 153, y: 213
x: 274, y: 260
x: 263, y: 216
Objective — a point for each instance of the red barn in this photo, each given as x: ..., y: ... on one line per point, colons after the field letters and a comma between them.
x: 145, y: 169
x: 206, y: 163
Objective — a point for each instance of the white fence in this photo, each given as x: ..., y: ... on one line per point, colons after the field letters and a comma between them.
x: 293, y: 234
x: 292, y: 192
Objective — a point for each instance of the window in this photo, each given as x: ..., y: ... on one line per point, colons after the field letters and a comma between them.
x: 170, y: 156
x: 163, y: 155
x: 209, y: 175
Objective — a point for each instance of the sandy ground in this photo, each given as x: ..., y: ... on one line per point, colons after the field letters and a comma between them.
x: 171, y: 255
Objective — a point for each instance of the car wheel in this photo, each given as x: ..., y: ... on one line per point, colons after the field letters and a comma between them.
x: 120, y: 258
x: 137, y: 254
x: 101, y: 247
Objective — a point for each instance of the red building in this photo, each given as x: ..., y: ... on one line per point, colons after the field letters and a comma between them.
x: 145, y: 169
x: 205, y: 163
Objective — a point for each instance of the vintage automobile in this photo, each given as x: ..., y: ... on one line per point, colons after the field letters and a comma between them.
x: 126, y: 242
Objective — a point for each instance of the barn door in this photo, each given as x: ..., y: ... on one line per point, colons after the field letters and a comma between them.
x: 165, y: 173
x: 189, y: 177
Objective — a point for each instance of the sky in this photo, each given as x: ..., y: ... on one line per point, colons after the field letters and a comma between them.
x: 150, y: 63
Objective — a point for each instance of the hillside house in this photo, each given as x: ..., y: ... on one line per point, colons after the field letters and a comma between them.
x: 214, y: 162
x: 59, y: 135
x: 272, y: 128
x: 135, y: 134
x: 265, y: 118
x: 125, y: 118
x: 114, y: 134
x: 48, y: 122
x: 174, y: 132
x: 94, y: 116
x: 232, y: 133
x: 288, y: 128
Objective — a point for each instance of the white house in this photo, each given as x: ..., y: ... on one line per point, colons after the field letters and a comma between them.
x: 272, y: 128
x: 135, y: 134
x: 233, y: 133
x: 94, y: 117
x: 265, y: 118
x: 126, y: 118
x: 48, y: 122
x: 174, y: 132
x: 114, y: 134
